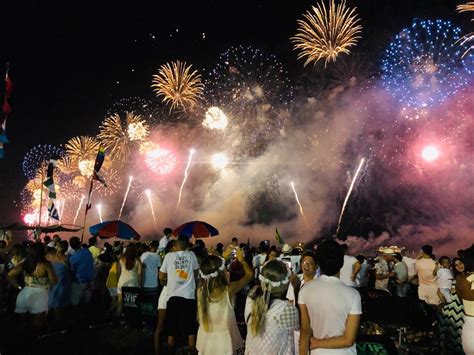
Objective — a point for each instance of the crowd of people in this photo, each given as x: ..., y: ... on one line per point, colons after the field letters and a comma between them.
x: 234, y: 299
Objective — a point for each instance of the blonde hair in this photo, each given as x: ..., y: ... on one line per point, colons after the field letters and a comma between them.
x: 210, y: 285
x: 274, y: 282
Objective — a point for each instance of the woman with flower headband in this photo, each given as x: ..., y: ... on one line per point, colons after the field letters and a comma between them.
x: 218, y: 332
x: 271, y: 320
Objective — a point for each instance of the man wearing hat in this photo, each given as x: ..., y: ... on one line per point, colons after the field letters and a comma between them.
x: 286, y: 254
x: 424, y: 266
x: 382, y: 269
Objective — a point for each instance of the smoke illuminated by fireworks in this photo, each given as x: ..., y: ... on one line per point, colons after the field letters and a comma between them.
x: 215, y: 118
x: 469, y: 6
x: 39, y: 155
x: 117, y: 135
x: 130, y: 179
x: 179, y: 86
x: 82, y: 148
x: 326, y: 33
x: 158, y: 159
x: 351, y: 187
x: 424, y: 64
x: 191, y: 153
x: 219, y: 161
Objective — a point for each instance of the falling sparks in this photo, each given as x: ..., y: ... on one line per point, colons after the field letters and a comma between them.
x: 326, y: 33
x: 178, y: 85
x: 148, y: 195
x: 299, y: 203
x: 354, y: 179
x: 215, y: 118
x: 469, y: 6
x: 130, y: 179
x: 78, y: 209
x: 191, y: 153
x: 99, y: 210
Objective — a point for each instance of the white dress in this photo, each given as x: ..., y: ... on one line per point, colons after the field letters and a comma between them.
x: 128, y: 278
x: 278, y: 336
x: 223, y: 336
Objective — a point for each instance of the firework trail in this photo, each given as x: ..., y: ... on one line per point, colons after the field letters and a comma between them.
x: 354, y: 179
x: 126, y: 195
x: 148, y: 195
x: 78, y: 209
x: 299, y: 204
x: 99, y: 209
x: 191, y: 153
x: 326, y: 33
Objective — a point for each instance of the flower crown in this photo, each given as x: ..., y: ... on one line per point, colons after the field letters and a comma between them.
x: 274, y: 283
x: 213, y: 274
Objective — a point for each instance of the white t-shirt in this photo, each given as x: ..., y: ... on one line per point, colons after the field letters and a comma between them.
x: 163, y: 242
x: 179, y: 267
x: 411, y: 267
x: 381, y: 268
x: 347, y: 270
x: 330, y: 302
x: 445, y: 278
x: 151, y: 262
x: 362, y: 278
x: 290, y: 294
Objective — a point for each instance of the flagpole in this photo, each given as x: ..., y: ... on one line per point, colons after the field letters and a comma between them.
x: 87, y: 208
x: 41, y: 196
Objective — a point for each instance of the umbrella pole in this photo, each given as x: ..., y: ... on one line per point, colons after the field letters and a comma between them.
x: 41, y: 197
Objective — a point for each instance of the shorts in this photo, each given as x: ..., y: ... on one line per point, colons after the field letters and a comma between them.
x: 429, y: 294
x: 163, y: 298
x: 77, y: 293
x: 181, y: 316
x: 33, y: 300
x: 113, y: 291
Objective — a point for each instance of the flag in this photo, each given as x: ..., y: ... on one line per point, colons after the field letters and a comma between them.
x: 49, y: 182
x: 6, y: 108
x: 278, y: 237
x: 53, y: 212
x: 99, y: 160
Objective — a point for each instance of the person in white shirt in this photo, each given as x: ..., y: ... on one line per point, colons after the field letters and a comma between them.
x: 382, y: 272
x: 179, y: 271
x: 410, y: 263
x: 151, y: 265
x: 362, y: 278
x: 444, y: 278
x: 350, y: 269
x: 167, y: 234
x: 330, y: 310
x: 259, y: 259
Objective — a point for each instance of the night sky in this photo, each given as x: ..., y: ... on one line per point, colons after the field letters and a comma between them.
x: 71, y: 60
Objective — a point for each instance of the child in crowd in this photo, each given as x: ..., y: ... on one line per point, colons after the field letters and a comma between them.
x: 444, y: 278
x: 218, y: 332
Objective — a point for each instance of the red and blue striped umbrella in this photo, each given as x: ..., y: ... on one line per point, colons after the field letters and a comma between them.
x: 198, y: 229
x: 111, y: 229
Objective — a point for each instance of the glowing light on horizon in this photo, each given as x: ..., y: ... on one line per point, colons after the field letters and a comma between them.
x: 219, y: 161
x: 130, y: 179
x: 191, y: 153
x: 351, y: 187
x: 148, y: 195
x: 430, y: 153
x: 215, y: 118
x: 299, y: 203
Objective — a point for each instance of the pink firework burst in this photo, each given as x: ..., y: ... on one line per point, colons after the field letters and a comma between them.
x: 160, y: 160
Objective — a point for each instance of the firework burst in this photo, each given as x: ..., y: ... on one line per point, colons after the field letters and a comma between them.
x: 117, y: 135
x: 66, y: 165
x: 325, y: 33
x: 215, y: 118
x: 68, y: 190
x: 114, y: 182
x: 179, y: 86
x: 38, y: 156
x: 469, y: 6
x: 82, y: 148
x: 424, y: 64
x: 158, y: 159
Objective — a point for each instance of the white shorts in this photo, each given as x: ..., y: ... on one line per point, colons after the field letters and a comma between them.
x: 33, y: 300
x: 113, y: 291
x: 163, y: 300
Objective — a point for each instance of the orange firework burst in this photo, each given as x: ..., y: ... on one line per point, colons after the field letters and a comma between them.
x: 66, y: 165
x: 117, y: 135
x: 179, y: 86
x: 325, y: 33
x: 82, y: 148
x: 469, y: 6
x: 114, y: 182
